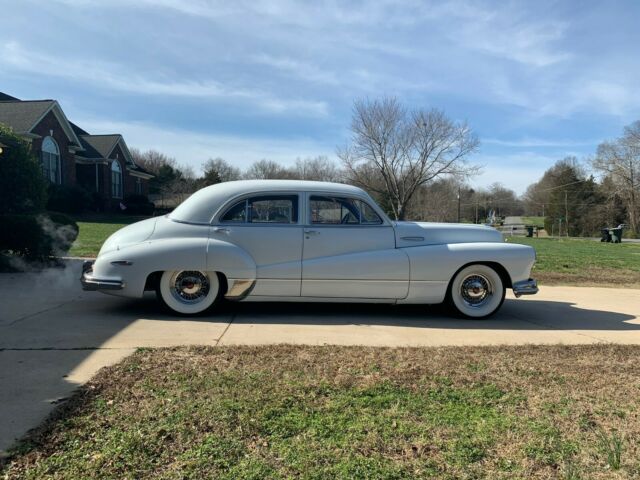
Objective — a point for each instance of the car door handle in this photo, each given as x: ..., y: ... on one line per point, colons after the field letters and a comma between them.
x: 311, y: 232
x: 221, y: 230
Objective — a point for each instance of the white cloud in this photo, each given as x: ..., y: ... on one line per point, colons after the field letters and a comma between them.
x: 116, y: 77
x: 193, y: 148
x: 538, y: 142
x: 303, y: 70
x: 514, y: 171
x: 528, y: 43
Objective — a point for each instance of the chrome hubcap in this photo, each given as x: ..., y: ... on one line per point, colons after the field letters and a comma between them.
x: 190, y: 286
x: 475, y: 290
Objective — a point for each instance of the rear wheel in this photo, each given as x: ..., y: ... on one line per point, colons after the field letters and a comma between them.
x: 188, y: 292
x: 476, y: 291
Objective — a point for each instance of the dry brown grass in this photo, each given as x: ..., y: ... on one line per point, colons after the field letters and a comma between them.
x: 591, y: 277
x: 347, y: 412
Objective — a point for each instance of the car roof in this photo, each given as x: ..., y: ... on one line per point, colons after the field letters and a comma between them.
x: 200, y: 207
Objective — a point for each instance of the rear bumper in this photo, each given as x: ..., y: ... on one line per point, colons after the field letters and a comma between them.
x: 525, y: 287
x: 91, y: 283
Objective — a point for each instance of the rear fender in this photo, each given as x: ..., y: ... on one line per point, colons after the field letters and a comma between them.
x: 441, y: 262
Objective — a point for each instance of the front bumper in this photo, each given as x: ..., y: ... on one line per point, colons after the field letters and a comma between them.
x: 91, y: 283
x: 525, y: 287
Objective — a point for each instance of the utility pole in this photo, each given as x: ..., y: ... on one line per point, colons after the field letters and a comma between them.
x: 458, y: 203
x: 566, y: 213
x: 476, y: 210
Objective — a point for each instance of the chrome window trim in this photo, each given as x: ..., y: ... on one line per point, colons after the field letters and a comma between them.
x: 303, y: 209
x: 217, y: 216
x: 374, y: 206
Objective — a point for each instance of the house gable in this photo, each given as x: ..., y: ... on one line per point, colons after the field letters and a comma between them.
x: 24, y: 117
x: 64, y: 123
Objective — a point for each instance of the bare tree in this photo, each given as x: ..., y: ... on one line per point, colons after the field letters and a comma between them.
x: 266, y: 169
x: 436, y: 201
x: 319, y: 168
x: 182, y: 185
x: 620, y: 160
x: 152, y: 160
x: 224, y: 169
x: 407, y: 149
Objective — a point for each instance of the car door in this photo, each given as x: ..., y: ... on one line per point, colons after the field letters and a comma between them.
x: 349, y: 251
x: 268, y: 228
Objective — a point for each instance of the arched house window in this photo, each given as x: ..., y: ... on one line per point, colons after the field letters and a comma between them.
x: 51, y: 167
x: 116, y: 179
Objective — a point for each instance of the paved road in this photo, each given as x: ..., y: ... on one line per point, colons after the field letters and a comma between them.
x: 54, y: 337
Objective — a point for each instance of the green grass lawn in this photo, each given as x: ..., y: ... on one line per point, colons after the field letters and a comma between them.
x: 575, y: 261
x: 349, y: 412
x: 95, y: 229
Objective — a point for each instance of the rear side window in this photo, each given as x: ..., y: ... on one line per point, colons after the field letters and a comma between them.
x: 341, y: 211
x: 264, y: 209
x: 237, y: 213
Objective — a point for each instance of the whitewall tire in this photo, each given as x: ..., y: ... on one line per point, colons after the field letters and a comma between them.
x: 188, y: 292
x: 477, y: 291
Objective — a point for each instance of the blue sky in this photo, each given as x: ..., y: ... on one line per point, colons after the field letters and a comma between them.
x: 249, y: 80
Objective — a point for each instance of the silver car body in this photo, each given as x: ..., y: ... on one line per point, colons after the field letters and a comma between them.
x: 390, y: 262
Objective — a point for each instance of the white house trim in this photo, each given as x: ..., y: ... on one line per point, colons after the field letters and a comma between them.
x: 143, y: 175
x: 62, y: 119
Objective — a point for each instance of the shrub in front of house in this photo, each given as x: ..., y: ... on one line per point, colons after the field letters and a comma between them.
x: 36, y: 237
x: 96, y: 202
x: 23, y: 189
x: 138, y: 205
x: 68, y: 199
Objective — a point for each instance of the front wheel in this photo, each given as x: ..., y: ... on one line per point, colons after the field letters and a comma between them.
x: 188, y: 292
x: 476, y: 291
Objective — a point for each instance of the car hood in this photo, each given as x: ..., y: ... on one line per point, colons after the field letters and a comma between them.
x: 130, y: 235
x: 411, y: 234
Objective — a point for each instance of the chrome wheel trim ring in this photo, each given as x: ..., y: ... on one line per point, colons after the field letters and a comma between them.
x: 189, y: 286
x: 476, y: 290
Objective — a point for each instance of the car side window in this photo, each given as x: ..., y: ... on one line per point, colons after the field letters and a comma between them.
x: 237, y: 213
x: 341, y: 211
x: 368, y: 215
x: 264, y: 209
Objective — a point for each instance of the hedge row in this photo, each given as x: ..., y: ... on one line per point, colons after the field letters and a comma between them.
x: 37, y: 237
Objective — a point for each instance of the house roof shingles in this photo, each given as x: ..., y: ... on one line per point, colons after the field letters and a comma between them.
x: 4, y: 97
x: 103, y: 144
x: 22, y: 115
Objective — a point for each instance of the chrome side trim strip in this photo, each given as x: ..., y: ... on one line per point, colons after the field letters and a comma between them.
x: 239, y: 288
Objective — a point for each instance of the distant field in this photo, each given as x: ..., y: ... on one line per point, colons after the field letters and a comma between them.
x: 525, y: 412
x: 584, y: 262
x: 95, y: 229
x: 535, y: 221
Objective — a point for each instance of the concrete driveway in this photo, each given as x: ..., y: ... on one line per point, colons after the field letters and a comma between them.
x: 54, y: 337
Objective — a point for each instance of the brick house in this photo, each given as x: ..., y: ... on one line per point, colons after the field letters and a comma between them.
x: 72, y: 156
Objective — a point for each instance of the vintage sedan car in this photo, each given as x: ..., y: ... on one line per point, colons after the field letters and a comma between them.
x: 285, y: 240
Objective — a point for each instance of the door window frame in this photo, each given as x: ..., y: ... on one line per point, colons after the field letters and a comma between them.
x: 308, y: 223
x: 217, y: 220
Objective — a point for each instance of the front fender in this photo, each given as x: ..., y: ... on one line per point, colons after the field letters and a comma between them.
x: 134, y: 263
x: 233, y: 261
